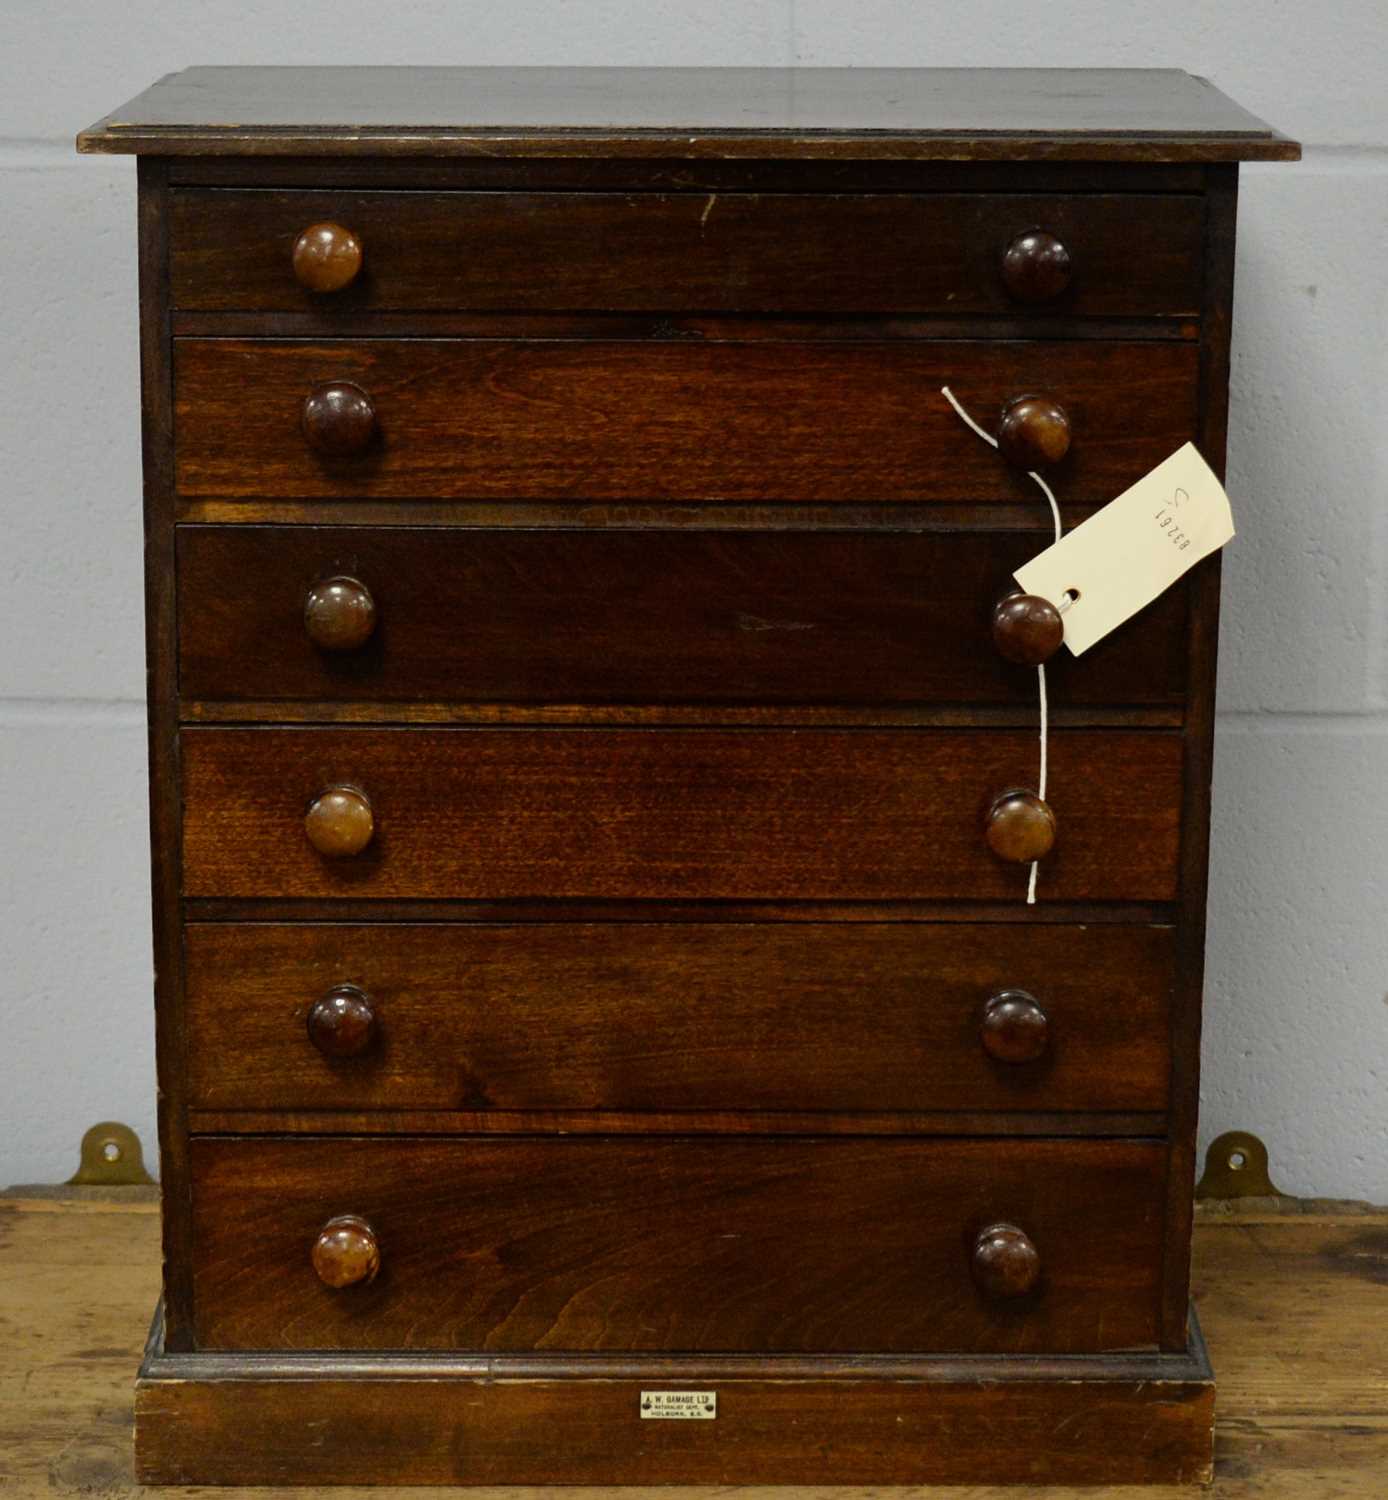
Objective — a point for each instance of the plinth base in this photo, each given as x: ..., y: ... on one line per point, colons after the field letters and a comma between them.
x: 272, y: 1419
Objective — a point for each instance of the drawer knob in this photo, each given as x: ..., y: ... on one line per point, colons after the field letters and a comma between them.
x: 1014, y: 1028
x: 327, y: 257
x: 339, y: 613
x: 342, y: 1023
x: 1034, y: 432
x: 1020, y: 827
x: 339, y: 822
x: 1027, y: 629
x: 338, y: 419
x: 346, y: 1252
x: 1005, y: 1262
x: 1036, y: 267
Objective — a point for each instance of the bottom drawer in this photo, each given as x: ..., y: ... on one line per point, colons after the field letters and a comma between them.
x: 731, y: 1245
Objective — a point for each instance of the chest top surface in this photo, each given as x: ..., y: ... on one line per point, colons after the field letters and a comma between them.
x: 1019, y: 114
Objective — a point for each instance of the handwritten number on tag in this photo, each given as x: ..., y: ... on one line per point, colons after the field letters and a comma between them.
x: 1118, y: 560
x: 1178, y: 538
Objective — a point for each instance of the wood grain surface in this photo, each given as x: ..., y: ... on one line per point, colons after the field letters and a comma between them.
x: 1203, y: 645
x: 730, y: 252
x: 1027, y: 114
x: 165, y: 800
x: 1003, y: 1124
x: 673, y: 419
x: 702, y: 174
x: 639, y: 617
x: 802, y: 1017
x: 946, y: 1427
x: 783, y: 815
x: 624, y: 1244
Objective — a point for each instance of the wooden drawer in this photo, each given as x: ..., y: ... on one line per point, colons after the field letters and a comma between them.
x: 677, y: 815
x: 769, y: 420
x: 638, y: 617
x: 801, y: 1017
x: 696, y: 1245
x: 232, y: 250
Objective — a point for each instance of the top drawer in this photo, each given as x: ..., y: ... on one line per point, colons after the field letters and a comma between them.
x: 1128, y: 255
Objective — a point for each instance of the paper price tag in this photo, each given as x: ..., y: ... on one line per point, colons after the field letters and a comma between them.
x: 1135, y: 548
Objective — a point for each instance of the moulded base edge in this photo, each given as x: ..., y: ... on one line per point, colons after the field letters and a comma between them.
x: 334, y: 1418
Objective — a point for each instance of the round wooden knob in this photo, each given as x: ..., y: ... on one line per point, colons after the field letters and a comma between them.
x: 1014, y: 1028
x: 1034, y: 432
x: 1035, y: 267
x: 338, y: 419
x: 346, y: 1253
x: 1005, y: 1262
x: 1020, y: 827
x: 327, y: 258
x: 342, y: 1023
x: 339, y: 822
x: 1027, y: 629
x: 339, y: 613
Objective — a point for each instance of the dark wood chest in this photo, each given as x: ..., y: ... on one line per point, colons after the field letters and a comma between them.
x: 603, y: 1034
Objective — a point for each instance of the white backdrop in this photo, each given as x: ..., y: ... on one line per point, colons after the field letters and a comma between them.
x: 1297, y: 1017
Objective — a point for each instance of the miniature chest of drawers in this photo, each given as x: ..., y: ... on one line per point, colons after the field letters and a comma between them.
x: 603, y: 1037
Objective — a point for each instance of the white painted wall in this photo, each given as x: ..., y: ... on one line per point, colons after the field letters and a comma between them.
x: 1297, y: 1035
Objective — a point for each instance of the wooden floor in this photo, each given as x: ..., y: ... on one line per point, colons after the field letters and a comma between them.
x: 1294, y: 1304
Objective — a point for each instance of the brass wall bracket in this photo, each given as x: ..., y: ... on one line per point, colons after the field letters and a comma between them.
x: 111, y: 1157
x: 1236, y: 1166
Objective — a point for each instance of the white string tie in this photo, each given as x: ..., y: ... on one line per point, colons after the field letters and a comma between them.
x: 1064, y: 605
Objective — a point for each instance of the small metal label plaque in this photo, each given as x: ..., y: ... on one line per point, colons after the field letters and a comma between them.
x: 679, y: 1406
